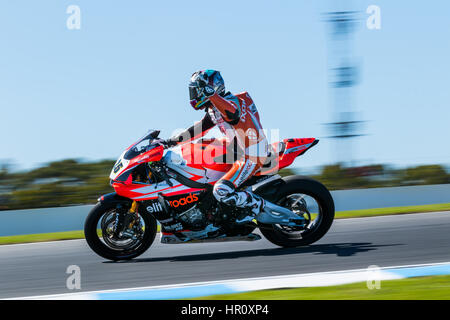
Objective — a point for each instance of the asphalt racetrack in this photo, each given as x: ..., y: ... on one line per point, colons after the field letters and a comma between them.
x: 40, y: 268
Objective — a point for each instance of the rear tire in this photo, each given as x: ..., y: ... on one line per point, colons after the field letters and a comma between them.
x: 99, y: 247
x: 314, y: 189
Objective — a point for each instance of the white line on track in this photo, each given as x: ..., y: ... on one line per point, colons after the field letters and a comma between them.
x: 273, y: 279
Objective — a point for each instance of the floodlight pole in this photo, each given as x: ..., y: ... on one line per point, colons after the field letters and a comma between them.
x: 343, y: 74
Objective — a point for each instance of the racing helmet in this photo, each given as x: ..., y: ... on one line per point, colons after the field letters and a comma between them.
x: 201, y: 79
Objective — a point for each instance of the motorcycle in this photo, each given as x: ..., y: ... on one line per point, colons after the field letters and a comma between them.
x: 173, y: 186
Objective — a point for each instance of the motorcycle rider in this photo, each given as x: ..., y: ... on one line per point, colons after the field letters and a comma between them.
x: 237, y: 118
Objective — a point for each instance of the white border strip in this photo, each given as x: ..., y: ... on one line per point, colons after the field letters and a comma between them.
x: 248, y: 284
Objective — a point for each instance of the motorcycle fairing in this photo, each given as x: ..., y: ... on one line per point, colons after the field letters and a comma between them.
x: 198, y: 162
x: 142, y: 191
x: 206, y: 154
x: 124, y: 165
x: 284, y: 153
x: 294, y: 148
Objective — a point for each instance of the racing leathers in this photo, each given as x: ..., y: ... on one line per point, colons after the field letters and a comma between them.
x: 237, y: 118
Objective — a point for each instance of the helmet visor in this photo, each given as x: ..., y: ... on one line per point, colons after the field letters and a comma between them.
x: 197, y: 102
x: 193, y: 93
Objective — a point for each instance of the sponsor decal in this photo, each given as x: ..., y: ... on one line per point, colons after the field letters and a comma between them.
x: 248, y: 168
x: 209, y: 90
x: 174, y: 227
x: 155, y: 207
x: 243, y: 111
x: 184, y: 201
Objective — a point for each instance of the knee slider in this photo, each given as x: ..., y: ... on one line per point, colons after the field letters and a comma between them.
x: 223, y: 189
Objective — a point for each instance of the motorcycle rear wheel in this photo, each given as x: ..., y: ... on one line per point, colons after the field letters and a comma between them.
x: 289, y: 237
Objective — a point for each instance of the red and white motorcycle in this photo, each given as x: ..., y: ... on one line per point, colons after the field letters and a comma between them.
x: 174, y: 187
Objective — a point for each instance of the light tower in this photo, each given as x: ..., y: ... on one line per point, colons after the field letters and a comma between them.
x: 343, y: 76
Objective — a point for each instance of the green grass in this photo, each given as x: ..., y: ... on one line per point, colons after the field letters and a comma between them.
x: 420, y: 288
x: 339, y: 215
x: 392, y: 210
x: 41, y: 237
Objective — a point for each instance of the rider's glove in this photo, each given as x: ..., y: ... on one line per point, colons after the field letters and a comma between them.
x: 169, y: 142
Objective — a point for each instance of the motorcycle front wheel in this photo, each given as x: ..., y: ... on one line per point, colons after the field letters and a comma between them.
x: 129, y: 241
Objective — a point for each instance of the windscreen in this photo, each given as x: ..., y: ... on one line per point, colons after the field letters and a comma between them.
x: 142, y: 145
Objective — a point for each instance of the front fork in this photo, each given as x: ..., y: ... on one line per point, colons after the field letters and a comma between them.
x: 126, y: 220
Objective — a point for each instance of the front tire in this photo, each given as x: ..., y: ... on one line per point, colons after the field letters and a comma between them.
x: 102, y: 249
x: 301, y: 185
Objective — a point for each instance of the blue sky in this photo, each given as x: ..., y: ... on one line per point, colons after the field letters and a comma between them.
x: 89, y: 93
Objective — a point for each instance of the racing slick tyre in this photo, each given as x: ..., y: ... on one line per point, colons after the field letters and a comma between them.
x: 108, y: 244
x: 297, y: 194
